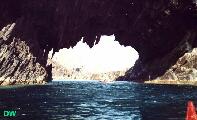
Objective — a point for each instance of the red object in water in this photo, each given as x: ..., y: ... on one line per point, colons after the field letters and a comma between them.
x: 191, y: 111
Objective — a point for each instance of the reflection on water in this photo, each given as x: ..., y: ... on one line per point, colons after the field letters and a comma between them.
x: 97, y: 101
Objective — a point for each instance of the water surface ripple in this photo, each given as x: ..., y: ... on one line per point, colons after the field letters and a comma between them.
x: 92, y: 100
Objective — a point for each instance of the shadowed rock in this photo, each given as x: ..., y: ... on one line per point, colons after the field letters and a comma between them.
x: 154, y: 28
x: 17, y: 63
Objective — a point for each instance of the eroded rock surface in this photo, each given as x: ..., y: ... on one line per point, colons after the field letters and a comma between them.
x: 17, y: 64
x: 155, y: 28
x: 178, y: 65
x: 184, y: 69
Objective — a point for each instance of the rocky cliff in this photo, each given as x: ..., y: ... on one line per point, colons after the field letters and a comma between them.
x: 184, y: 71
x: 168, y: 69
x: 60, y: 72
x: 155, y: 28
x: 17, y: 63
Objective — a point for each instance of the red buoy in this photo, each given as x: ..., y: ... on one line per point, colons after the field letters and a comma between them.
x: 191, y: 111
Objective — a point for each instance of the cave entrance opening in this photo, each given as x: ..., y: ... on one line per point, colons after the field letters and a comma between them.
x: 106, y: 60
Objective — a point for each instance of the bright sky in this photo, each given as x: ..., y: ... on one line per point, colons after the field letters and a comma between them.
x: 107, y: 55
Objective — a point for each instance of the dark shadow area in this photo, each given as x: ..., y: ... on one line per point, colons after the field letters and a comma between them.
x: 154, y: 28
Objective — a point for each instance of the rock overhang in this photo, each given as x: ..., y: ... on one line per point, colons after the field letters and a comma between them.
x: 154, y: 28
x: 151, y: 27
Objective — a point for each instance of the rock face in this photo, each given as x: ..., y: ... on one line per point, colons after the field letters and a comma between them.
x: 155, y: 28
x: 61, y: 73
x: 163, y: 67
x: 168, y: 67
x: 184, y: 69
x: 17, y: 63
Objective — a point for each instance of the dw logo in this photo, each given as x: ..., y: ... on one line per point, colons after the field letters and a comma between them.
x: 9, y: 113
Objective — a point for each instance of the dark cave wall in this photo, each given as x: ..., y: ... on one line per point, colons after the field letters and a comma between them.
x: 154, y: 27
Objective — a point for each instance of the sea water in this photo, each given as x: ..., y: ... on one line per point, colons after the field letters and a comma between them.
x: 93, y: 100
